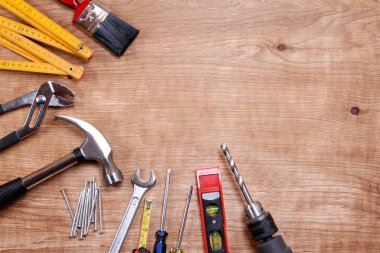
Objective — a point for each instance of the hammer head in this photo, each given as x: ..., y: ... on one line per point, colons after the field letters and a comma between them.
x: 96, y: 148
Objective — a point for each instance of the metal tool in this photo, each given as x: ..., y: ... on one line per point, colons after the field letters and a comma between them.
x: 49, y: 94
x: 67, y: 204
x: 143, y: 239
x: 261, y: 223
x: 213, y: 215
x: 76, y: 221
x: 139, y: 189
x: 178, y: 248
x: 99, y: 205
x: 95, y: 147
x: 161, y: 235
x: 86, y: 209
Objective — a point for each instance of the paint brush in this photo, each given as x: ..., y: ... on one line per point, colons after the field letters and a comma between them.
x: 107, y: 28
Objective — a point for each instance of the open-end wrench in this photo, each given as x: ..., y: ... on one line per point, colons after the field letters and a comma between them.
x: 139, y: 189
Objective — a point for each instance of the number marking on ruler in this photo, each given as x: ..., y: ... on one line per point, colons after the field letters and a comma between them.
x: 38, y: 67
x: 71, y: 70
x: 30, y: 32
x: 49, y: 24
x: 49, y: 28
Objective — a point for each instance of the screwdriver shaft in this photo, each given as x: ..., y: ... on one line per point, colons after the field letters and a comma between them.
x: 189, y: 193
x: 165, y: 204
x: 161, y: 235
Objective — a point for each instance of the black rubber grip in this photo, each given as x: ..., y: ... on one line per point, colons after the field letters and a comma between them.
x: 11, y: 191
x: 1, y: 109
x: 140, y: 250
x: 275, y: 245
x: 9, y: 140
x: 262, y: 229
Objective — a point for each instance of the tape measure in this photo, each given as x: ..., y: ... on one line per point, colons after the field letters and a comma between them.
x: 145, y: 223
x: 19, y: 40
x: 47, y: 26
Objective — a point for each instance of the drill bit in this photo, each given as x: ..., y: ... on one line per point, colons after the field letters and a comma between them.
x: 254, y: 208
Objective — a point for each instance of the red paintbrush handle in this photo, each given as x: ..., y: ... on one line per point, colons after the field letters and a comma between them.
x: 71, y: 3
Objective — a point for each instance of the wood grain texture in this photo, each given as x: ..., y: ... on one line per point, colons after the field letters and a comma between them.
x: 275, y: 80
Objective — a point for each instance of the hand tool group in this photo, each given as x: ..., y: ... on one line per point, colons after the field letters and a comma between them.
x: 95, y: 147
x: 116, y: 35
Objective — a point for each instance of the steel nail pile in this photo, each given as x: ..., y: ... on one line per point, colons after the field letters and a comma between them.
x: 88, y: 210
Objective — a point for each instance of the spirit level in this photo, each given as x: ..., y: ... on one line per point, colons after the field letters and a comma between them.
x: 212, y: 210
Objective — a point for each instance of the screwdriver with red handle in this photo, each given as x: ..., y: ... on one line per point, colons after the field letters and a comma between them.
x: 161, y: 235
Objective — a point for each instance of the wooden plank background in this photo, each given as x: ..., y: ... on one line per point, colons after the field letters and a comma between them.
x: 275, y: 80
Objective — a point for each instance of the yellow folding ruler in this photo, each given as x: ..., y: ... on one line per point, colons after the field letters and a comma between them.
x: 31, y: 32
x: 13, y: 36
x: 145, y: 224
x: 16, y: 41
x: 38, y: 20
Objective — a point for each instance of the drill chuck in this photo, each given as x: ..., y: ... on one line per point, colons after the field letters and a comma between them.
x: 262, y: 229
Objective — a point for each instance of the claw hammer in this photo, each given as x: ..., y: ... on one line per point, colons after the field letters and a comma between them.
x: 95, y: 147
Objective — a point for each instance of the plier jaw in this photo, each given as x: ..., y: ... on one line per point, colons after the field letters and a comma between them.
x: 48, y: 94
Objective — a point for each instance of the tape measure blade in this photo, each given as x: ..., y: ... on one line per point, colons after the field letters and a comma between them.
x: 144, y: 230
x: 42, y: 53
x: 36, y: 67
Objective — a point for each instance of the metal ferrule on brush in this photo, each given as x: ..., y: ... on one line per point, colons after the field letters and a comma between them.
x: 92, y: 16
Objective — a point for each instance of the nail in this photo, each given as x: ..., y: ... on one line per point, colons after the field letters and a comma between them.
x: 67, y: 203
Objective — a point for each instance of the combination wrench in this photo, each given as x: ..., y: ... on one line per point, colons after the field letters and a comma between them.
x: 139, y: 189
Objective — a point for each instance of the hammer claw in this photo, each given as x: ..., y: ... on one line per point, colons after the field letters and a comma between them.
x: 96, y: 147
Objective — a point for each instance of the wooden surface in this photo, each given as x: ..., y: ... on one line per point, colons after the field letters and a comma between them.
x: 275, y: 80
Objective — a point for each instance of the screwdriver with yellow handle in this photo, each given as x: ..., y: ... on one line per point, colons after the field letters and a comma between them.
x: 178, y: 248
x: 147, y: 213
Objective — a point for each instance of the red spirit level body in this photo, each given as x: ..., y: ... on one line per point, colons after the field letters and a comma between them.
x: 213, y: 217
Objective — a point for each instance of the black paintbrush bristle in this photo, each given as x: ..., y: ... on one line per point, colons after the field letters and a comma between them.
x: 115, y: 34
